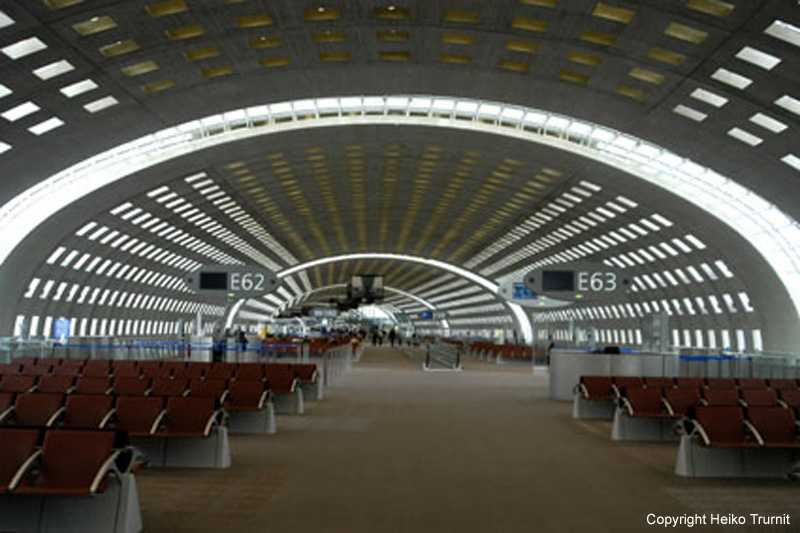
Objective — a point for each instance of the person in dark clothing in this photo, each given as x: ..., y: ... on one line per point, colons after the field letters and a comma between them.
x: 392, y: 337
x: 242, y: 338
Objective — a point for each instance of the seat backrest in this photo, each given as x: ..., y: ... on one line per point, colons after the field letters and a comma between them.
x: 645, y: 400
x: 168, y: 387
x: 37, y: 370
x: 214, y: 388
x: 791, y: 397
x: 690, y: 383
x: 682, y: 399
x: 597, y: 385
x: 13, y: 383
x: 628, y: 382
x: 72, y: 458
x: 305, y: 371
x: 137, y: 413
x: 92, y: 385
x: 6, y: 400
x: 721, y: 396
x: 198, y: 370
x: 129, y: 386
x: 67, y: 370
x: 96, y: 369
x: 659, y: 382
x: 721, y: 383
x: 250, y: 371
x: 73, y: 362
x: 87, y: 410
x: 722, y: 423
x: 10, y: 369
x: 152, y: 371
x: 125, y: 369
x: 188, y: 415
x: 57, y: 384
x: 751, y: 383
x: 36, y: 409
x: 17, y: 444
x: 245, y: 392
x: 763, y: 397
x: 221, y: 371
x: 783, y: 383
x: 774, y: 424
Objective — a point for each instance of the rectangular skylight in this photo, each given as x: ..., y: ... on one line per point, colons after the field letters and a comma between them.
x: 71, y: 91
x: 4, y: 147
x: 775, y: 126
x: 5, y: 20
x: 709, y: 97
x: 758, y: 58
x: 789, y: 103
x: 24, y: 48
x: 784, y: 31
x: 689, y: 112
x: 48, y: 125
x: 102, y: 103
x: 53, y: 69
x: 731, y: 78
x: 4, y: 91
x: 745, y: 137
x: 791, y: 160
x: 20, y: 111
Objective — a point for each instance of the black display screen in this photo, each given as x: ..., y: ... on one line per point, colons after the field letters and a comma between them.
x: 426, y: 315
x: 558, y: 280
x: 214, y: 281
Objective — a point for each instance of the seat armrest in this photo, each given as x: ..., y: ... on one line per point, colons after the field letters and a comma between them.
x: 703, y: 401
x: 223, y: 398
x: 23, y: 469
x: 71, y: 390
x: 616, y: 390
x: 107, y: 418
x: 754, y: 432
x: 52, y: 420
x: 7, y: 413
x: 157, y: 421
x: 624, y: 403
x: 743, y: 403
x: 668, y: 407
x: 109, y: 390
x: 103, y: 470
x: 211, y: 421
x: 263, y: 399
x: 583, y: 390
x: 698, y: 429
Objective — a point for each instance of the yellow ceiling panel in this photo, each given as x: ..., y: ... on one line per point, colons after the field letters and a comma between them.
x: 461, y: 16
x: 632, y: 92
x: 617, y: 14
x: 596, y: 37
x: 540, y: 3
x: 167, y: 7
x: 157, y: 86
x: 264, y: 42
x: 716, y: 8
x: 61, y: 4
x: 522, y: 46
x: 583, y: 58
x: 458, y: 38
x: 201, y: 53
x: 185, y: 32
x: 510, y: 64
x: 254, y: 21
x: 647, y: 75
x: 574, y: 77
x: 323, y: 14
x: 686, y: 33
x: 272, y: 62
x: 119, y: 48
x: 392, y: 36
x: 394, y: 56
x: 216, y: 72
x: 458, y: 59
x: 94, y: 25
x: 137, y: 69
x: 529, y: 24
x: 334, y: 56
x: 330, y: 37
x: 392, y: 12
x: 666, y: 56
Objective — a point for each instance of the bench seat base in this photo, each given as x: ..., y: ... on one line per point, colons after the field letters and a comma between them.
x: 260, y: 422
x: 186, y: 452
x: 643, y: 429
x: 592, y: 409
x: 696, y: 460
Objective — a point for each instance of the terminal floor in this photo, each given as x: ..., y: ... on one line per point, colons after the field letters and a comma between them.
x: 393, y: 448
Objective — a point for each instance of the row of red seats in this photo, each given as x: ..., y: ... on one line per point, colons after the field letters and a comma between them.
x: 218, y: 389
x: 607, y: 388
x: 754, y: 427
x: 137, y: 415
x: 505, y: 351
x: 59, y: 461
x: 306, y: 372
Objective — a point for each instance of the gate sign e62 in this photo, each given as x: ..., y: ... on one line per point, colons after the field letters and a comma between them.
x: 232, y: 281
x: 583, y: 281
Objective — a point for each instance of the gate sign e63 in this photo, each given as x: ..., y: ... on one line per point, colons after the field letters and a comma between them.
x: 584, y: 281
x: 232, y: 281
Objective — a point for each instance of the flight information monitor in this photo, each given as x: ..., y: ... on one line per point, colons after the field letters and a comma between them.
x: 580, y: 281
x: 232, y: 281
x: 558, y: 280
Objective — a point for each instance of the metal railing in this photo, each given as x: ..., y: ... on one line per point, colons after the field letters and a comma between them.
x: 442, y: 357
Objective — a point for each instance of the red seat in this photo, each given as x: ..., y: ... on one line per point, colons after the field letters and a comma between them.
x: 596, y: 388
x: 19, y: 447
x: 131, y: 386
x: 37, y: 370
x: 71, y: 463
x: 281, y: 381
x: 90, y: 410
x: 140, y: 416
x: 125, y: 369
x: 776, y: 426
x: 198, y: 370
x: 17, y: 383
x: 659, y: 382
x: 724, y: 427
x: 791, y: 397
x: 645, y: 403
x: 783, y: 383
x: 189, y: 417
x: 751, y: 383
x: 306, y: 372
x: 56, y: 384
x: 721, y: 397
x: 759, y: 397
x: 212, y: 388
x: 93, y: 385
x: 246, y: 395
x: 10, y: 369
x: 622, y: 383
x: 67, y: 370
x: 221, y: 371
x: 152, y: 371
x: 250, y: 371
x: 721, y: 383
x: 678, y: 401
x: 6, y: 401
x: 36, y: 409
x: 690, y: 383
x: 96, y: 369
x: 72, y: 362
x: 168, y: 387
